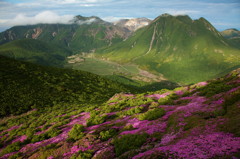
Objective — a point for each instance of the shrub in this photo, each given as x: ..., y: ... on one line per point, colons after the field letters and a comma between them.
x: 231, y: 99
x: 154, y: 105
x: 52, y: 132
x: 105, y: 135
x: 17, y: 155
x: 152, y: 114
x: 213, y: 88
x: 129, y: 142
x: 132, y: 111
x: 76, y: 132
x: 11, y: 148
x: 41, y: 137
x: 168, y: 100
x: 128, y: 127
x: 96, y: 119
x: 83, y: 155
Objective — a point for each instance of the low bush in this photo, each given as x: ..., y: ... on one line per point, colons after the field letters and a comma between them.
x: 11, y: 148
x: 76, y: 132
x: 129, y: 142
x: 215, y: 87
x: 105, y: 135
x: 131, y: 111
x: 96, y: 119
x: 83, y: 155
x: 152, y: 114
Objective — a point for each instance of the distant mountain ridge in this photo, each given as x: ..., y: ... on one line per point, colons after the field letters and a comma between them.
x: 84, y: 34
x: 233, y: 36
x: 231, y: 33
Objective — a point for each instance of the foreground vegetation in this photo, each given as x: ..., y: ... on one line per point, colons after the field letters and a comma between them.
x: 198, y: 121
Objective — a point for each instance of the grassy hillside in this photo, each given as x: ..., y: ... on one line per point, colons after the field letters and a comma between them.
x: 24, y: 86
x: 198, y: 121
x: 35, y: 51
x: 183, y: 50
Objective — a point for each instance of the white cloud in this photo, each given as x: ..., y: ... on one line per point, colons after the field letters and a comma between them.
x: 114, y: 19
x: 79, y: 1
x: 180, y: 12
x: 47, y: 17
x: 89, y: 21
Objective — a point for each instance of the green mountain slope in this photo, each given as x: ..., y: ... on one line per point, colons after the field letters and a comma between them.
x: 233, y: 36
x: 182, y: 49
x: 83, y: 34
x: 24, y: 86
x: 35, y: 51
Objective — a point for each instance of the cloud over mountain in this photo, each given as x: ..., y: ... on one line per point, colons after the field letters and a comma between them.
x: 48, y: 17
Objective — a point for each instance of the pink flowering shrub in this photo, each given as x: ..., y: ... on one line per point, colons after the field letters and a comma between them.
x: 202, y: 147
x: 158, y: 96
x: 105, y: 153
x: 77, y: 149
x: 20, y: 139
x: 183, y: 123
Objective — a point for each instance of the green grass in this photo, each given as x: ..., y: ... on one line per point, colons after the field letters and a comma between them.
x: 101, y: 67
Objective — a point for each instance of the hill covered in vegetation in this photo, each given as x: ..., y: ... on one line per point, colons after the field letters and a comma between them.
x: 197, y: 121
x: 24, y: 86
x: 184, y: 50
x: 35, y: 51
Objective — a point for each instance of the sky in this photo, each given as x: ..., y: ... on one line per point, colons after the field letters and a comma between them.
x: 222, y: 14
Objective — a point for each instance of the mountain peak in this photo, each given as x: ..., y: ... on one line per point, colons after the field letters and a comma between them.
x: 166, y: 15
x: 183, y: 18
x: 85, y: 20
x: 133, y: 24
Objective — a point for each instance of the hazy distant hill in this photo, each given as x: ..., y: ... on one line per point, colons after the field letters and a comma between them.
x: 233, y: 35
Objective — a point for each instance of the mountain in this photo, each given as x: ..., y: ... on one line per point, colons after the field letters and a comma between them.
x: 83, y: 34
x: 230, y: 33
x: 233, y: 35
x: 133, y: 24
x: 197, y: 121
x: 35, y: 51
x: 24, y: 86
x: 183, y: 50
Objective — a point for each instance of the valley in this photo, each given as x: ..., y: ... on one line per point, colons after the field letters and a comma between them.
x: 130, y: 89
x: 105, y: 67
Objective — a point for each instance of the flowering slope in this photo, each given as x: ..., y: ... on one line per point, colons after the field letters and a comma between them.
x: 197, y: 121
